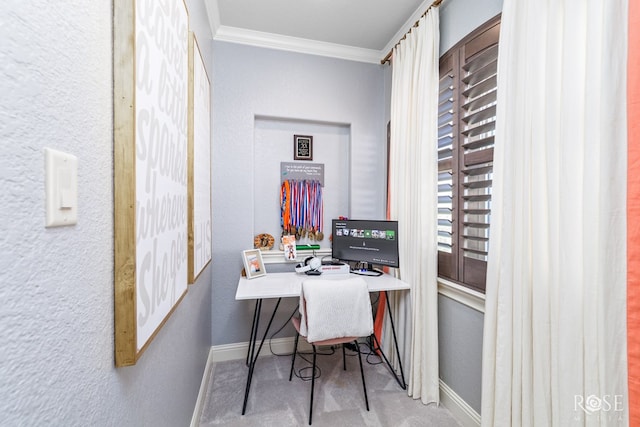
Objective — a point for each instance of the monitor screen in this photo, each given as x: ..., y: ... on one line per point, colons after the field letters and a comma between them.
x: 366, y: 241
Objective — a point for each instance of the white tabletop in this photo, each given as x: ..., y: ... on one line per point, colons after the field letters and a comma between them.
x: 284, y: 285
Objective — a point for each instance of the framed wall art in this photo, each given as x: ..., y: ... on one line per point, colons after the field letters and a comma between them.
x: 150, y: 48
x: 199, y: 153
x: 302, y: 147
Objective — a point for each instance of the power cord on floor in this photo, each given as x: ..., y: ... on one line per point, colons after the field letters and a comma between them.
x: 370, y: 352
x: 307, y: 377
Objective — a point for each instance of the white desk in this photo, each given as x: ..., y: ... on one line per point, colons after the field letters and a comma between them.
x: 289, y: 285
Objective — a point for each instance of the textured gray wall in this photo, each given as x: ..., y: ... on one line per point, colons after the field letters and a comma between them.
x: 249, y: 82
x: 460, y: 349
x: 56, y: 285
x: 459, y: 17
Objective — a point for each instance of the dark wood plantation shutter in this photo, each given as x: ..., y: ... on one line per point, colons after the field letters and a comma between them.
x: 468, y: 81
x: 446, y: 133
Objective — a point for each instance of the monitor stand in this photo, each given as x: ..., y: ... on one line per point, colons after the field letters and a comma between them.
x: 366, y: 269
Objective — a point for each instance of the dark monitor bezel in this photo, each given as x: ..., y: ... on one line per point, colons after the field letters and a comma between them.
x: 360, y: 224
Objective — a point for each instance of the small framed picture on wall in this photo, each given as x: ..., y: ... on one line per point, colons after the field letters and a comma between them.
x: 302, y: 147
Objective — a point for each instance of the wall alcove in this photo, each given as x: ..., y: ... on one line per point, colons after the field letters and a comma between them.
x: 273, y: 144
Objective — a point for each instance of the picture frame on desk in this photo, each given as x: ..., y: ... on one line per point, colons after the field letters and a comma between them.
x: 253, y: 263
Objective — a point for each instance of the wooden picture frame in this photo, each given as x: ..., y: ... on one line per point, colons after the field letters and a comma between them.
x: 199, y: 154
x: 150, y: 169
x: 253, y: 263
x: 302, y: 147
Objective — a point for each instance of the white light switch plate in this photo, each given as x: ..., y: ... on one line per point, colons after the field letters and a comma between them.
x: 61, y: 186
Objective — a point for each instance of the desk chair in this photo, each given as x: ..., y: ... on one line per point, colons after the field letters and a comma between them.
x: 333, y: 312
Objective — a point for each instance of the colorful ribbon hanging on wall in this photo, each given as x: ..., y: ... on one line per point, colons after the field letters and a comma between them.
x: 301, y: 209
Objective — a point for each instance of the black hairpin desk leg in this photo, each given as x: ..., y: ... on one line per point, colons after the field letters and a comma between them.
x: 254, y: 329
x: 253, y: 357
x: 402, y: 384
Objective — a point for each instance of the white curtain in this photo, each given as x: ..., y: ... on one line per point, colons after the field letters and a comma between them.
x: 554, y: 351
x: 413, y: 167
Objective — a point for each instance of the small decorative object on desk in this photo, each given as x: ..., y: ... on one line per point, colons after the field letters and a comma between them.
x: 289, y: 245
x: 253, y: 264
x: 263, y: 241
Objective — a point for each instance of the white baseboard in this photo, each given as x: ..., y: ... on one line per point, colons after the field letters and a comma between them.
x: 238, y: 351
x: 461, y: 411
x: 204, y: 385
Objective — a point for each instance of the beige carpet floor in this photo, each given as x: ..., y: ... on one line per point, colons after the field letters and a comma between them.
x: 338, y: 400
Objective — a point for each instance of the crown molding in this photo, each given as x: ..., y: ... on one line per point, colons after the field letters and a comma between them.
x: 295, y: 44
x: 214, y: 15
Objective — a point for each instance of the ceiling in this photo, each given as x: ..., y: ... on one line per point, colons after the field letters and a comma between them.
x: 362, y: 30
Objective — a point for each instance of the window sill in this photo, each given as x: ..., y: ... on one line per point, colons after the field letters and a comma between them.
x: 461, y: 294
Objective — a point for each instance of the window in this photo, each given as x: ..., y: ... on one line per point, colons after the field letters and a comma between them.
x: 466, y: 127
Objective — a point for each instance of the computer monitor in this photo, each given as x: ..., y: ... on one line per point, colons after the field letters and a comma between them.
x: 365, y: 242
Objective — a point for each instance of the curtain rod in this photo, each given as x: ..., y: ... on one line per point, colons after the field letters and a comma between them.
x: 387, y: 58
